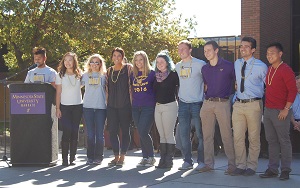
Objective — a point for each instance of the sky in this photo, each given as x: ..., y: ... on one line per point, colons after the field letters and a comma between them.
x: 214, y: 17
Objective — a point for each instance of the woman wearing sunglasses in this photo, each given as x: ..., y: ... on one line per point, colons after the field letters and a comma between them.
x: 94, y: 107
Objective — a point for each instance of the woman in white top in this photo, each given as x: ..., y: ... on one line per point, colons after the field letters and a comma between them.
x: 69, y: 104
x: 94, y: 107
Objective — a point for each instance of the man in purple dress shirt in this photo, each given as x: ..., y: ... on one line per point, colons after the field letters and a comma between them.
x: 219, y: 77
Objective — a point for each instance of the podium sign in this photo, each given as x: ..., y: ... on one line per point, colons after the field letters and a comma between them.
x: 33, y: 125
x: 27, y: 103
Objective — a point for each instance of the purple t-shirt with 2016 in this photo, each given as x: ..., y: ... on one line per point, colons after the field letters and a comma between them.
x: 142, y: 89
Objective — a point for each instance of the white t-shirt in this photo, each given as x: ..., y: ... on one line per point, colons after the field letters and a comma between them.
x: 94, y: 95
x: 191, y: 85
x: 41, y: 75
x: 70, y: 89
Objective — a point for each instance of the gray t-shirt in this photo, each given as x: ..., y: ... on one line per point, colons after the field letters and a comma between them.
x: 94, y: 95
x: 41, y: 75
x: 191, y: 87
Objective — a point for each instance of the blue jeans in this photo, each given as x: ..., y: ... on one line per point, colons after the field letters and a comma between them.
x: 94, y: 120
x: 143, y: 118
x: 186, y: 113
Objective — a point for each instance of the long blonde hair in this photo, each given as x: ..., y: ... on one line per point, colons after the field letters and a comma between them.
x: 87, y: 66
x: 147, y: 66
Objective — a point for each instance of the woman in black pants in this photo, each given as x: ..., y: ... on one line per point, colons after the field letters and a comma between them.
x: 69, y: 104
x: 118, y: 105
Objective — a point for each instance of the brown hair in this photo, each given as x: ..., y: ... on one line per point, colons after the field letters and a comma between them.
x: 120, y: 50
x: 62, y: 69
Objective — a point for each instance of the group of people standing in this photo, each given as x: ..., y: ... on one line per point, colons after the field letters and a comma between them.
x: 192, y: 91
x: 119, y: 94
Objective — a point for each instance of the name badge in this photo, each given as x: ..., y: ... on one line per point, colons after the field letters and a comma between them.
x: 94, y: 81
x: 185, y: 72
x: 37, y: 78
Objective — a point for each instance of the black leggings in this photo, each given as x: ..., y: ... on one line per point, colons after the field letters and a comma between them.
x: 70, y: 120
x: 119, y: 118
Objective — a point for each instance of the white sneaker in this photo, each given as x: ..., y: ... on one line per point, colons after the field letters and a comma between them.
x: 142, y: 162
x: 150, y: 161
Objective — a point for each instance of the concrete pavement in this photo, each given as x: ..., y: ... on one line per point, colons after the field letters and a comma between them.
x: 129, y: 175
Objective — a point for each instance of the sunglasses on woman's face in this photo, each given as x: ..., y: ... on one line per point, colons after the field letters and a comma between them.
x: 96, y: 62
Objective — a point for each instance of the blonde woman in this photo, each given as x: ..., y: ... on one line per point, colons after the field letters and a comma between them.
x: 143, y: 104
x: 94, y: 107
x: 69, y: 104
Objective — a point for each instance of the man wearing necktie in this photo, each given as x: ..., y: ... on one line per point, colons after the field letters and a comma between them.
x: 248, y: 107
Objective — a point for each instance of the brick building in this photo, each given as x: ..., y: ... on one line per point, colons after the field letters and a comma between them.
x: 273, y: 21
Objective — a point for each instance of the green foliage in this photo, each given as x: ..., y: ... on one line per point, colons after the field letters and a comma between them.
x: 197, y: 42
x: 88, y: 26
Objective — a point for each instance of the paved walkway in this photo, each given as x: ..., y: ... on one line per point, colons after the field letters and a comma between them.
x: 129, y: 175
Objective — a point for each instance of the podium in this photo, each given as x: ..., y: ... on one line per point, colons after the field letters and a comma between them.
x: 33, y: 124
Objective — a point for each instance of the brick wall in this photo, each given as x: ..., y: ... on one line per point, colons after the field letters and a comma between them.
x: 267, y: 21
x: 276, y: 26
x: 250, y: 19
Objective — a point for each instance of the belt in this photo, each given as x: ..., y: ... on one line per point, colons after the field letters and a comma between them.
x: 217, y: 99
x: 297, y: 119
x: 247, y: 100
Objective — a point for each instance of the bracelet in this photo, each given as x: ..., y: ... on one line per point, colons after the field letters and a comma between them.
x: 286, y: 108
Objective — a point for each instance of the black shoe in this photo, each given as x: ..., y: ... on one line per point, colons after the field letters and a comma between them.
x: 285, y: 175
x: 237, y: 172
x: 268, y: 174
x: 249, y: 172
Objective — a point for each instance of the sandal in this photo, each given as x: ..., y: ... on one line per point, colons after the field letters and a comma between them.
x: 113, y: 163
x: 120, y: 163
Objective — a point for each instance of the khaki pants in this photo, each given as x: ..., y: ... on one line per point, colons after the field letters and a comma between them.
x: 210, y: 112
x: 247, y: 116
x: 165, y: 119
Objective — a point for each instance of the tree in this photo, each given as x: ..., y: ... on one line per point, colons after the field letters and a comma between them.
x: 88, y: 26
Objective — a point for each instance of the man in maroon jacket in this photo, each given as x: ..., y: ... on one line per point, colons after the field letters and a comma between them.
x: 280, y: 94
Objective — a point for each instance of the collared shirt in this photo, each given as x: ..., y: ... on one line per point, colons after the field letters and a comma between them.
x: 191, y: 87
x: 255, y: 74
x: 219, y: 78
x: 296, y: 107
